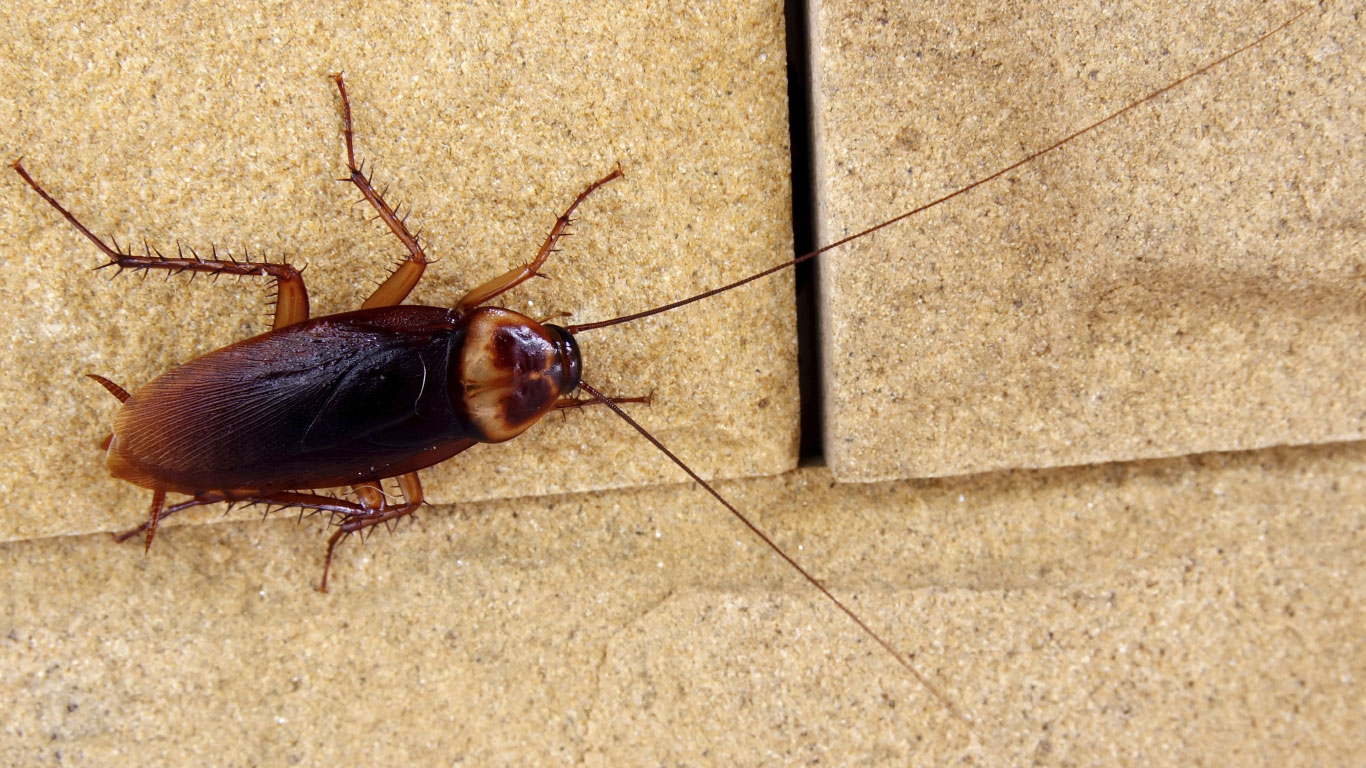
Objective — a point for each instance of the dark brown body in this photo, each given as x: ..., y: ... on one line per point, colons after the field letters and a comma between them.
x: 338, y: 400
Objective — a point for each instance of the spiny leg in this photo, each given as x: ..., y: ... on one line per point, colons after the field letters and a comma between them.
x: 397, y: 287
x: 514, y: 277
x: 123, y: 536
x: 314, y: 502
x: 292, y: 297
x: 372, y: 509
x: 564, y: 404
x: 356, y: 516
x: 311, y: 502
x: 577, y: 401
x: 412, y: 494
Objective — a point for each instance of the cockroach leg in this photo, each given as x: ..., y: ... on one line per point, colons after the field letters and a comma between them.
x: 158, y: 501
x: 553, y: 316
x: 312, y: 502
x: 123, y: 536
x: 575, y: 401
x: 514, y: 277
x: 370, y: 495
x: 198, y: 501
x: 396, y: 288
x: 373, y: 509
x: 411, y: 487
x: 292, y: 304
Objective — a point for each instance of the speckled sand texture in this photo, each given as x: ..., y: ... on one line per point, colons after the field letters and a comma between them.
x: 566, y: 600
x: 1177, y: 612
x: 1188, y: 278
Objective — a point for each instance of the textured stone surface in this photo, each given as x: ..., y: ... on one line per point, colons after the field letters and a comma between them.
x: 1199, y: 610
x: 1177, y: 612
x: 1187, y: 278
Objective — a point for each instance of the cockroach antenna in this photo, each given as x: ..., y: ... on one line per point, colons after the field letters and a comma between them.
x: 577, y: 329
x: 757, y: 531
x: 580, y: 328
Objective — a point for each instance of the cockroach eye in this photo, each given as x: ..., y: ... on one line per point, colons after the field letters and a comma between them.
x: 568, y: 347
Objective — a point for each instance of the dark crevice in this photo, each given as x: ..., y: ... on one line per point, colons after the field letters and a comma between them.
x: 804, y: 229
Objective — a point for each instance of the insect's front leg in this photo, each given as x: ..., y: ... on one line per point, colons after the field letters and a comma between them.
x: 569, y: 402
x: 291, y: 305
x: 399, y: 284
x: 577, y: 401
x: 515, y: 277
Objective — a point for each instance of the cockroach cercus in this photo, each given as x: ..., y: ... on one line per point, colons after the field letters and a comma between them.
x: 381, y: 392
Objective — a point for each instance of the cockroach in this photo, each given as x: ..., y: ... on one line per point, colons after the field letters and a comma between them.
x: 384, y: 391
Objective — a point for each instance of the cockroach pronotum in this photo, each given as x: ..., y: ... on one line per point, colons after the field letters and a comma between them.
x: 384, y: 391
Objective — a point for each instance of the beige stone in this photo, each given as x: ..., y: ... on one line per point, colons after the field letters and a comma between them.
x: 1180, y: 612
x: 1187, y: 278
x: 1186, y: 611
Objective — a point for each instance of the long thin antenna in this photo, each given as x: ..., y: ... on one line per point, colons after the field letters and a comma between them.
x: 931, y: 687
x: 575, y: 329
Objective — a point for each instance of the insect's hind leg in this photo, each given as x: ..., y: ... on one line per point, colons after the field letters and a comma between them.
x: 291, y: 304
x: 515, y: 277
x: 371, y: 510
x: 382, y: 514
x: 397, y: 287
x: 312, y: 502
x: 162, y: 514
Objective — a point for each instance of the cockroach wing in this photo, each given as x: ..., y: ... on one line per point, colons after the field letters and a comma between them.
x: 326, y: 402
